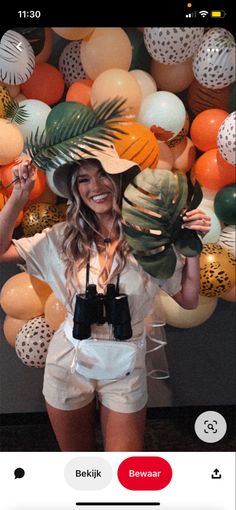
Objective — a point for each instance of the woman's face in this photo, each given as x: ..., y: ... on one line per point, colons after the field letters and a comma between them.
x: 95, y: 188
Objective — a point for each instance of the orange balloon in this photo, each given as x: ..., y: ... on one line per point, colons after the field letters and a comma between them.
x: 55, y: 312
x: 3, y: 201
x: 73, y: 34
x: 173, y: 78
x: 209, y: 173
x: 7, y: 177
x: 166, y: 159
x: 205, y: 127
x: 115, y: 83
x: 23, y: 296
x: 80, y: 91
x: 45, y: 84
x: 201, y: 98
x: 184, y: 155
x: 105, y: 49
x: 11, y: 326
x: 138, y: 144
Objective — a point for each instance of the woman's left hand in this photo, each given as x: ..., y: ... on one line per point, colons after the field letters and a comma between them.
x: 197, y: 220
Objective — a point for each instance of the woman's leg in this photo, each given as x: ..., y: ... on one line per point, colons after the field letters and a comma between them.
x: 123, y: 431
x: 74, y: 430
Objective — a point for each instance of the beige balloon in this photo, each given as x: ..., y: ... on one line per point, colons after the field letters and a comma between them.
x: 173, y: 78
x: 11, y: 142
x: 55, y: 312
x: 23, y: 296
x: 11, y: 326
x: 184, y: 155
x: 146, y: 82
x: 115, y: 83
x: 179, y: 317
x: 166, y: 159
x: 106, y: 48
x: 73, y: 33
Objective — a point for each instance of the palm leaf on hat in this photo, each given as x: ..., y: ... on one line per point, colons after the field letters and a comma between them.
x: 152, y: 210
x: 81, y: 131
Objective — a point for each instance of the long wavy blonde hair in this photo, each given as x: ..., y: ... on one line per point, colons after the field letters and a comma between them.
x: 79, y: 232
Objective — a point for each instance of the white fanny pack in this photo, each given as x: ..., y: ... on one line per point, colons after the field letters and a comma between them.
x: 102, y: 359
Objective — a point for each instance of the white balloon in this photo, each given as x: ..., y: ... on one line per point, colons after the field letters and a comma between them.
x: 172, y: 45
x: 70, y: 63
x: 214, y: 62
x: 32, y: 342
x: 164, y: 113
x: 214, y: 233
x: 38, y: 112
x: 17, y: 60
x: 228, y: 239
x: 226, y: 140
x: 146, y: 82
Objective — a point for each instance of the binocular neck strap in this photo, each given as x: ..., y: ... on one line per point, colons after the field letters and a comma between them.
x: 87, y: 276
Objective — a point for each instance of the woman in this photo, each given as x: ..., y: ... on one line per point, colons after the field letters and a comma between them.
x: 89, y: 249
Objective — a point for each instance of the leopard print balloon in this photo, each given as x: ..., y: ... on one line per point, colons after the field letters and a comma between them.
x: 5, y: 98
x: 217, y: 270
x: 32, y: 342
x: 38, y: 216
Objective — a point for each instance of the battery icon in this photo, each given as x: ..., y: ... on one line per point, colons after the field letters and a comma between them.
x: 218, y: 14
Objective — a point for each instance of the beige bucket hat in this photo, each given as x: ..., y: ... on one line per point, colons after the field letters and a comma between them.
x: 59, y: 179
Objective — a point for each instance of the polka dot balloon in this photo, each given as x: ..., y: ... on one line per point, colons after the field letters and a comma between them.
x: 226, y: 140
x: 172, y: 45
x: 32, y: 342
x: 214, y: 63
x: 70, y: 63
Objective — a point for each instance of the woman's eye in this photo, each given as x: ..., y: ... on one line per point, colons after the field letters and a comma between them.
x: 83, y: 180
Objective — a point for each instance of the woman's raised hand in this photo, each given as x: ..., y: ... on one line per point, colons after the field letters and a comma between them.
x: 197, y: 220
x: 24, y: 174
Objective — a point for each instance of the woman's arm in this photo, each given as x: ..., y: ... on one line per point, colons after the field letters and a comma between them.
x: 188, y: 296
x: 26, y: 178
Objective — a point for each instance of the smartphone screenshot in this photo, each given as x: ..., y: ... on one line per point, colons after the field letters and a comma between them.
x: 117, y: 258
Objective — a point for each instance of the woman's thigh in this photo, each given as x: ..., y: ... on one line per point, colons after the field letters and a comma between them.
x: 123, y: 431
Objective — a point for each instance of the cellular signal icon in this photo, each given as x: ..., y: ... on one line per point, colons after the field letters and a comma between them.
x: 203, y: 13
x: 191, y: 15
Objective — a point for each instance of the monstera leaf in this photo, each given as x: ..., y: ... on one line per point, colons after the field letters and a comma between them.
x: 152, y: 210
x: 80, y: 131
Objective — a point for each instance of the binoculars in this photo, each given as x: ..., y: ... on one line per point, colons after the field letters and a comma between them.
x: 96, y: 308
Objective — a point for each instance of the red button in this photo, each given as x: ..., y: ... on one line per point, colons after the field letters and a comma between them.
x: 144, y: 473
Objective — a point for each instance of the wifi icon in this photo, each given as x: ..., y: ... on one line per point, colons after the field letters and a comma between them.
x: 203, y: 13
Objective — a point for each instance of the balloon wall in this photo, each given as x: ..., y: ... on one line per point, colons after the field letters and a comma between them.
x: 179, y: 85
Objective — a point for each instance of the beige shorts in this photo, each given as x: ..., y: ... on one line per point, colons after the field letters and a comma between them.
x: 66, y: 391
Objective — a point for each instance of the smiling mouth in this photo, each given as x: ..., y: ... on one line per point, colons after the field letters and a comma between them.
x: 101, y: 197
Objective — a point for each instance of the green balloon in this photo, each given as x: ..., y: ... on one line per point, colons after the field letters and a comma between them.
x: 140, y: 56
x: 225, y: 204
x: 64, y: 110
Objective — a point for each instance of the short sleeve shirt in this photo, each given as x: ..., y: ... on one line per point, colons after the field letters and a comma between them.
x: 43, y: 258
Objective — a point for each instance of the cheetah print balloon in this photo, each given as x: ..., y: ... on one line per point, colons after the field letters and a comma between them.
x: 5, y: 98
x: 172, y: 45
x: 32, y: 342
x: 217, y: 270
x: 226, y: 140
x: 70, y: 64
x: 214, y: 62
x: 38, y: 216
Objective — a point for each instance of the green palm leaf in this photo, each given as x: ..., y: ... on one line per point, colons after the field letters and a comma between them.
x: 61, y: 143
x: 16, y: 112
x: 152, y: 210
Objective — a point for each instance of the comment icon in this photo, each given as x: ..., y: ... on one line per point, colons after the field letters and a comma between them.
x: 19, y: 473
